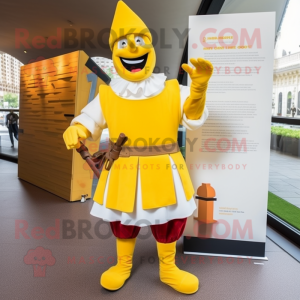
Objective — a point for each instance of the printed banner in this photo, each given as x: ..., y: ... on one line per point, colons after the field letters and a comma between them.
x: 228, y: 157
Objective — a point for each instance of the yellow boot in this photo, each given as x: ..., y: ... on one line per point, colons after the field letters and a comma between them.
x: 115, y: 277
x: 179, y: 280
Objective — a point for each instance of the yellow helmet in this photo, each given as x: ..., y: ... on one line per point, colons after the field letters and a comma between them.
x: 126, y: 22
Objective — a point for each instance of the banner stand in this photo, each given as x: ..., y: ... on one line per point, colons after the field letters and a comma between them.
x: 228, y: 156
x: 229, y: 248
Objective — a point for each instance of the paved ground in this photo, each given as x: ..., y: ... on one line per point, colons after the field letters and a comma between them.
x: 285, y: 177
x: 5, y: 145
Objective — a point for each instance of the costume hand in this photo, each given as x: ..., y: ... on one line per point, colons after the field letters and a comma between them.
x: 199, y: 75
x: 74, y: 134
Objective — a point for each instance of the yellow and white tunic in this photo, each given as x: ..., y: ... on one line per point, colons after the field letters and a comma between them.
x: 142, y: 190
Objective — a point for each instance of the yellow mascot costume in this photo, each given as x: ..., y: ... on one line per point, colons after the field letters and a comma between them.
x: 149, y: 185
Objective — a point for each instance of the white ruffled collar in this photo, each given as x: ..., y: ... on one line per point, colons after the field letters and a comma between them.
x: 149, y: 87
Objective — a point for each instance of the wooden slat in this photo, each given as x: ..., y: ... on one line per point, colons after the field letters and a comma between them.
x: 51, y: 92
x: 43, y: 158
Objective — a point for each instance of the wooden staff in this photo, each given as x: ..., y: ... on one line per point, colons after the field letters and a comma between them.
x: 102, y: 157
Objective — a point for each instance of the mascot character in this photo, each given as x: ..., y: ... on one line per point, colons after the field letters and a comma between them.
x: 149, y: 185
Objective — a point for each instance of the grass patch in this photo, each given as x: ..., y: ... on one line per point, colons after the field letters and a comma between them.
x: 182, y: 150
x: 293, y: 133
x: 284, y: 210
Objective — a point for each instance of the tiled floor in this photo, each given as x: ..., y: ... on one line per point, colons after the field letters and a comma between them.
x: 79, y: 261
x: 284, y: 180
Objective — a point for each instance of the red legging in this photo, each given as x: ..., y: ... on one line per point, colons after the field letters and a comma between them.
x: 164, y: 233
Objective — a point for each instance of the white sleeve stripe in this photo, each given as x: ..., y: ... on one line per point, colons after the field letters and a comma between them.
x: 92, y: 118
x: 195, y: 124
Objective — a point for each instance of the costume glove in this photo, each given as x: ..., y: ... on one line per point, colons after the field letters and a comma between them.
x: 74, y: 134
x: 200, y: 75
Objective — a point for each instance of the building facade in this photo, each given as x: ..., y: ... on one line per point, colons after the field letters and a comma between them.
x: 286, y: 85
x: 9, y: 74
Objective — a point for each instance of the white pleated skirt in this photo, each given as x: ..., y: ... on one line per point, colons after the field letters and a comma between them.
x: 139, y: 216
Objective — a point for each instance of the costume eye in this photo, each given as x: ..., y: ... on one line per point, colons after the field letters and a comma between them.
x: 139, y: 41
x: 122, y: 44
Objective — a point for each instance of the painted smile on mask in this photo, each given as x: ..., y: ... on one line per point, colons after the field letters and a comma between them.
x: 136, y: 64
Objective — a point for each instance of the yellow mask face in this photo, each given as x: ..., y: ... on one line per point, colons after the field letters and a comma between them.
x: 134, y: 57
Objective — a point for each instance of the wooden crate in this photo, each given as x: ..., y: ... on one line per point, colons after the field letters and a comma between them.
x: 52, y: 92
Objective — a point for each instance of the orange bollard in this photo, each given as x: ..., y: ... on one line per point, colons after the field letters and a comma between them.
x: 206, y: 196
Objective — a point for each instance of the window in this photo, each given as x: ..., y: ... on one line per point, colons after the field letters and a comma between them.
x: 298, y: 106
x: 288, y: 103
x: 284, y: 177
x: 279, y: 104
x: 9, y: 99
